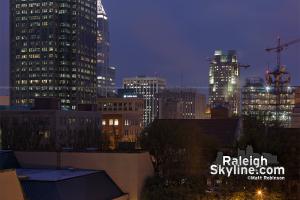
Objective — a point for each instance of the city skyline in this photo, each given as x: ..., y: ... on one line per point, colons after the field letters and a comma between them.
x: 165, y: 42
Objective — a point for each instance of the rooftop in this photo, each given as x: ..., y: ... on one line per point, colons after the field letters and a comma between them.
x: 52, y: 174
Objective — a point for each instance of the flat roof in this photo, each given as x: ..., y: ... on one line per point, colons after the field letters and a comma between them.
x: 5, y: 151
x: 53, y: 174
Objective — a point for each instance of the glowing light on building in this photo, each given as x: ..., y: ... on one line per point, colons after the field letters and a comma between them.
x: 224, y: 81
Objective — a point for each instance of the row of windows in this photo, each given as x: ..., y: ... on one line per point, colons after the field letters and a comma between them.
x: 110, y: 122
x: 120, y: 105
x: 31, y: 5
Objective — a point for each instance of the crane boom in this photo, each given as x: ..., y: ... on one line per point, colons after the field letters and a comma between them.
x: 281, y: 47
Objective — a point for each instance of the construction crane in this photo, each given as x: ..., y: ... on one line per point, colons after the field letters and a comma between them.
x: 244, y: 66
x: 281, y: 47
x: 280, y: 77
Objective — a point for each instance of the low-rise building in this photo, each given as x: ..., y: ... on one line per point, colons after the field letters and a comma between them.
x: 122, y: 119
x: 40, y: 182
x: 128, y: 170
x: 46, y: 127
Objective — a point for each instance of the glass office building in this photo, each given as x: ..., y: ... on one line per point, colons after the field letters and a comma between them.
x: 148, y: 88
x: 53, y: 51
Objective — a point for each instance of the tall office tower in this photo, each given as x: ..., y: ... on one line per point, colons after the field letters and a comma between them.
x: 148, y: 88
x: 53, y: 51
x: 224, y: 78
x: 181, y: 104
x: 259, y: 101
x: 106, y: 74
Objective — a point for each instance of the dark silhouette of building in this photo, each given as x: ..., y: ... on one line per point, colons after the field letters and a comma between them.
x: 219, y: 112
x: 181, y: 104
x: 45, y: 127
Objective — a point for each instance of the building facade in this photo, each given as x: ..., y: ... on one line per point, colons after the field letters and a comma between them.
x: 181, y: 104
x: 53, y: 51
x: 148, y: 88
x: 106, y: 74
x: 296, y: 110
x: 259, y: 100
x: 49, y: 130
x: 122, y: 119
x: 224, y: 81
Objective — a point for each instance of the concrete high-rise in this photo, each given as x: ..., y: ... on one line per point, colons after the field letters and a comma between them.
x: 106, y: 74
x: 53, y: 51
x: 224, y: 81
x: 181, y: 104
x: 148, y: 88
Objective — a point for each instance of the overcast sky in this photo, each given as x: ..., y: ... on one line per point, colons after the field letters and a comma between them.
x: 170, y: 37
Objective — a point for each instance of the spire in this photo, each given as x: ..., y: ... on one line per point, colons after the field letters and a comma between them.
x: 100, y: 9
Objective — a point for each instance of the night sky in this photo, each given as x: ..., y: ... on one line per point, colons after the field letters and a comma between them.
x: 168, y: 38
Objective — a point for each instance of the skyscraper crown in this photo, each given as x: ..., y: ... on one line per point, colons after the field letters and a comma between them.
x: 100, y: 8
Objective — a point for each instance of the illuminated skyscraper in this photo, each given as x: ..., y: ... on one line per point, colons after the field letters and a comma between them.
x: 224, y: 81
x: 148, y: 88
x: 105, y: 73
x: 53, y: 51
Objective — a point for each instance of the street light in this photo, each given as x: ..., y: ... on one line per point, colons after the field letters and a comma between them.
x: 259, y: 193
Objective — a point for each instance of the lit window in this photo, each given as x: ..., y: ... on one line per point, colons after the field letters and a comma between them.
x: 116, y: 123
x: 111, y: 122
x: 103, y: 122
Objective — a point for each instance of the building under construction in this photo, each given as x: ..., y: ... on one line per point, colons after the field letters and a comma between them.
x: 262, y: 101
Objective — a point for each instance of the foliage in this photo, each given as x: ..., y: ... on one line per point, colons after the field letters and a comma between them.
x: 179, y: 188
x: 178, y: 150
x: 251, y: 195
x: 181, y: 156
